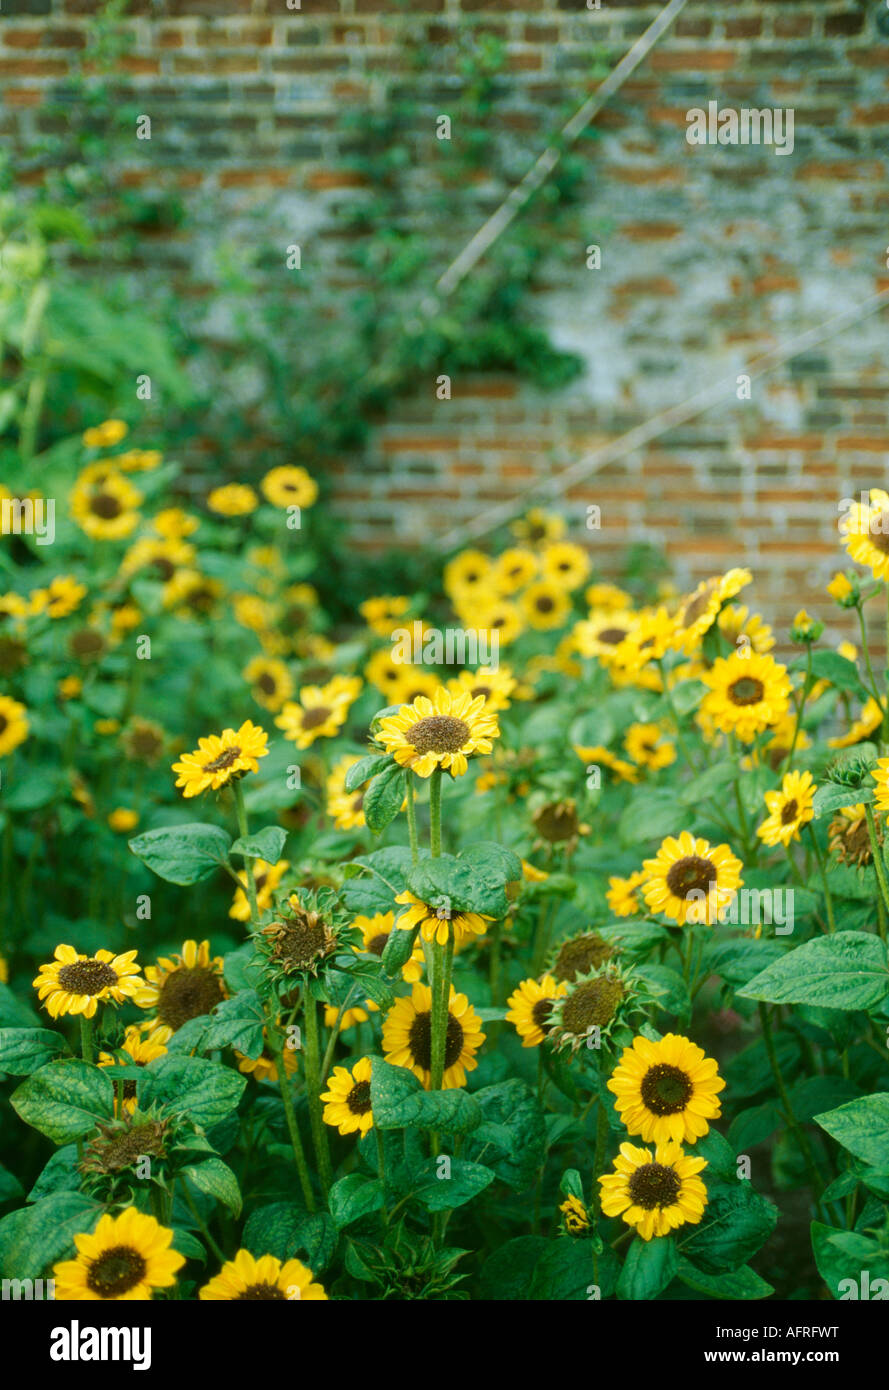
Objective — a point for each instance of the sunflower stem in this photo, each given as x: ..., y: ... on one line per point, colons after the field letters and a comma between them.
x: 435, y: 813
x: 442, y: 957
x: 828, y: 901
x: 412, y: 817
x: 313, y: 1086
x: 668, y: 697
x: 296, y: 1143
x: 801, y: 1136
x: 876, y: 853
x: 870, y: 670
x: 241, y: 811
x: 202, y: 1225
x: 87, y: 1051
x: 804, y: 695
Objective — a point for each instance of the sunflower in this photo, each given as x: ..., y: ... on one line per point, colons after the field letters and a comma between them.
x: 265, y: 1067
x: 399, y: 682
x: 647, y: 746
x: 349, y: 1017
x: 137, y: 1052
x: 320, y: 712
x: 183, y: 986
x: 127, y: 1257
x: 848, y: 835
x: 143, y: 741
x: 649, y: 637
x: 191, y: 593
x: 588, y: 1008
x: 407, y: 1036
x: 466, y: 573
x: 435, y: 922
x: 380, y: 613
x: 348, y: 1099
x: 246, y: 1277
x: 622, y: 895
x: 575, y: 1217
x: 266, y: 877
x: 494, y: 615
x: 346, y: 809
x: 139, y: 460
x: 158, y: 558
x: 443, y: 733
x: 289, y: 487
x: 529, y: 1008
x: 740, y: 627
x: 597, y: 755
x: 545, y: 605
x: 867, y: 723
x: 14, y: 724
x: 62, y: 597
x: 789, y: 809
x: 106, y: 435
x: 866, y: 529
x: 655, y: 1195
x: 271, y: 682
x: 666, y: 1091
x: 174, y: 524
x: 565, y: 564
x: 495, y: 686
x: 538, y: 527
x: 123, y: 819
x: 607, y: 596
x: 603, y: 634
x: 579, y: 955
x: 513, y: 569
x: 746, y: 694
x: 698, y: 611
x: 375, y: 933
x: 220, y: 758
x: 253, y: 612
x: 75, y: 984
x: 105, y: 505
x: 691, y: 881
x: 880, y: 774
x: 234, y: 499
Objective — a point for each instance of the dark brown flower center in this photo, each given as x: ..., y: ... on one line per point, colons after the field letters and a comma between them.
x: 879, y: 532
x: 116, y: 1271
x: 377, y: 944
x: 665, y: 1089
x: 484, y: 690
x: 557, y: 821
x: 790, y: 812
x: 225, y: 760
x: 438, y: 733
x: 358, y: 1099
x: 266, y: 683
x: 611, y: 636
x: 105, y: 506
x: 87, y: 644
x: 591, y: 1004
x: 13, y: 655
x: 420, y: 1041
x: 87, y: 977
x: 746, y: 691
x: 544, y: 604
x: 541, y: 1012
x: 691, y: 874
x: 301, y: 941
x: 580, y: 955
x: 187, y: 992
x: 654, y: 1185
x: 4, y: 723
x: 313, y: 718
x: 257, y: 1291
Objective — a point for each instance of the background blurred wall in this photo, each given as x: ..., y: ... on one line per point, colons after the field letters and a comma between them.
x: 710, y: 255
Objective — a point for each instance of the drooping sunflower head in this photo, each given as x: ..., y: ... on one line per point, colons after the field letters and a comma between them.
x: 655, y: 1193
x: 76, y: 984
x: 849, y: 837
x: 444, y: 732
x: 666, y: 1090
x: 184, y: 986
x: 557, y: 821
x: 347, y: 1099
x: 575, y: 1216
x: 690, y: 880
x: 579, y: 955
x: 590, y: 1008
x: 126, y: 1257
x: 301, y: 938
x: 122, y: 1145
x: 407, y: 1036
x: 790, y: 809
x: 247, y: 1279
x: 697, y: 612
x: 530, y: 1007
x: 221, y: 758
x: 438, y: 920
x: 866, y: 529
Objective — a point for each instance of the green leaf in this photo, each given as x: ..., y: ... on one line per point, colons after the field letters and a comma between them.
x: 649, y: 1267
x: 830, y: 797
x: 59, y: 1174
x: 266, y: 844
x: 753, y: 1126
x: 35, y: 1237
x: 566, y: 1273
x: 11, y: 1189
x: 648, y: 817
x: 288, y: 1232
x: 735, y: 1224
x: 383, y: 798
x: 399, y: 1102
x: 473, y: 881
x: 841, y: 672
x: 708, y: 784
x: 511, y: 1138
x: 850, y: 1263
x: 743, y: 1283
x: 861, y: 1126
x: 354, y: 1197
x: 182, y: 854
x: 204, y: 1091
x: 507, y: 1275
x: 24, y: 1050
x: 445, y: 1183
x: 216, y: 1179
x: 15, y: 1014
x: 848, y: 970
x: 364, y: 769
x: 237, y: 1022
x: 65, y: 1100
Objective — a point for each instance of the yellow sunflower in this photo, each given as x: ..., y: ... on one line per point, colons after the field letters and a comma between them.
x: 234, y: 499
x: 289, y: 486
x: 789, y: 809
x: 866, y: 529
x: 597, y: 755
x: 347, y: 1099
x: 126, y: 1258
x: 513, y: 569
x: 848, y: 834
x: 697, y: 612
x: 106, y: 435
x: 647, y: 746
x: 746, y: 694
x: 538, y: 527
x: 266, y: 877
x: 349, y: 1017
x: 137, y: 1052
x: 183, y: 987
x: 72, y: 983
x: 139, y: 460
x: 530, y: 1005
x: 346, y: 809
x: 407, y: 1037
x: 655, y: 1195
x: 607, y: 596
x: 271, y: 682
x: 740, y: 627
x: 603, y: 634
x: 248, y: 1278
x: 623, y: 897
x: 690, y: 880
x: 105, y: 506
x: 264, y: 1067
x: 867, y: 723
x: 648, y: 638
x: 174, y: 524
x: 545, y: 605
x: 221, y: 757
x: 123, y: 819
x: 575, y: 1217
x: 62, y: 597
x: 375, y: 932
x: 667, y: 1091
x: 14, y: 724
x: 492, y: 615
x: 442, y: 733
x: 565, y: 564
x: 159, y: 557
x: 382, y: 612
x: 320, y: 712
x: 495, y: 686
x: 466, y: 573
x: 881, y: 776
x: 434, y: 922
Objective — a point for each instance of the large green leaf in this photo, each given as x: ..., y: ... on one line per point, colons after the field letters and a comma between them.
x: 354, y: 1197
x: 649, y: 1267
x: 383, y: 797
x: 862, y: 1127
x: 736, y: 1222
x: 25, y: 1050
x: 266, y: 844
x: 237, y: 1022
x: 216, y: 1179
x: 194, y: 1086
x: 35, y: 1237
x: 848, y: 970
x: 743, y: 1283
x: 443, y: 1185
x: 183, y: 854
x: 65, y: 1100
x: 851, y: 1263
x: 473, y: 881
x: 569, y: 1272
x: 511, y: 1138
x: 399, y: 1102
x: 287, y: 1231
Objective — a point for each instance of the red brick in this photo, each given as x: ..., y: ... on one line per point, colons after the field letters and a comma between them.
x: 321, y: 179
x: 865, y: 443
x: 693, y: 60
x: 749, y: 28
x: 871, y: 115
x: 255, y: 178
x: 33, y: 67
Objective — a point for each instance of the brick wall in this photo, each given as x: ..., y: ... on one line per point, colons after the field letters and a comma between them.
x: 710, y: 255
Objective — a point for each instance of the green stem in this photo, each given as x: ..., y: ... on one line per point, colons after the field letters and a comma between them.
x: 202, y: 1225
x: 801, y: 1137
x: 328, y: 1051
x: 313, y: 1087
x: 877, y: 853
x: 296, y: 1143
x: 435, y: 813
x: 804, y: 695
x: 87, y: 1051
x: 828, y: 901
x: 668, y: 696
x: 442, y: 957
x: 241, y: 812
x: 412, y: 818
x: 870, y: 670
